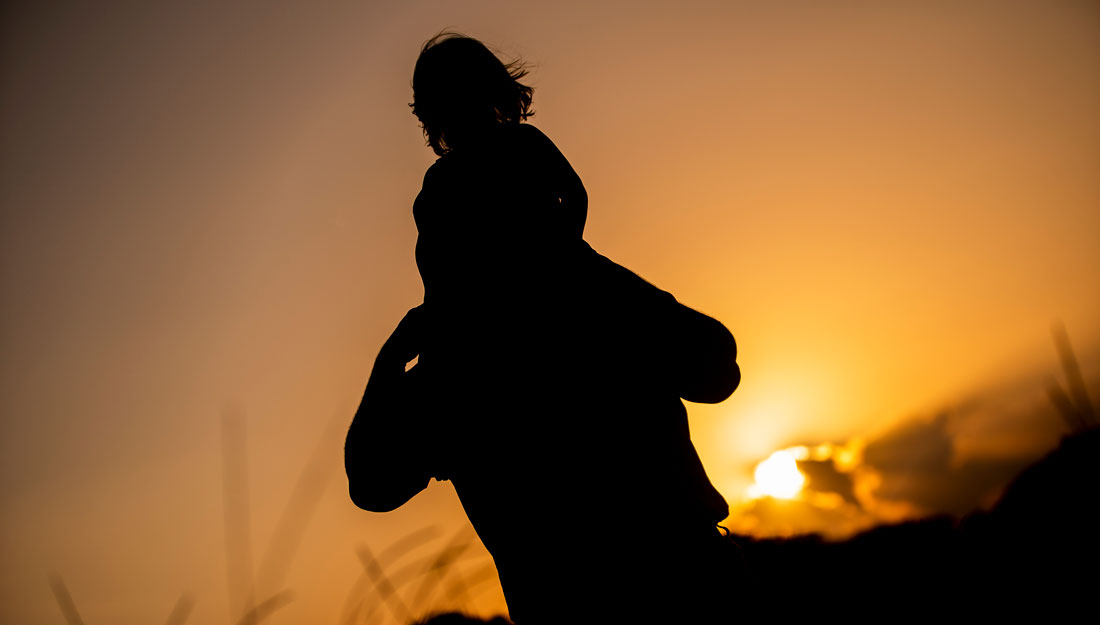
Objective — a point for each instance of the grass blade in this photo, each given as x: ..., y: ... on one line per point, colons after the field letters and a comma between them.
x: 65, y: 601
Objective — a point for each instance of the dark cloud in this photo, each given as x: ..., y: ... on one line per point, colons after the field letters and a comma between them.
x: 915, y: 446
x: 952, y: 490
x: 921, y: 462
x: 823, y: 476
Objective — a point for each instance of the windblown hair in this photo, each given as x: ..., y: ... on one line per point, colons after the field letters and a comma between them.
x: 460, y: 88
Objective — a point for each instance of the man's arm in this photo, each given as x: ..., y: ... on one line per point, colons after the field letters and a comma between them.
x: 695, y: 353
x: 704, y: 356
x: 382, y: 457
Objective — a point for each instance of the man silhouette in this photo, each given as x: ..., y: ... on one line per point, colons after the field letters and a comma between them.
x: 549, y: 379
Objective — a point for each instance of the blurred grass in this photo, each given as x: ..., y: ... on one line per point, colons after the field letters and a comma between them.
x: 397, y: 587
x: 376, y: 597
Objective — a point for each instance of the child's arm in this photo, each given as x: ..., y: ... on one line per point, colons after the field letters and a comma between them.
x: 559, y: 174
x: 384, y: 448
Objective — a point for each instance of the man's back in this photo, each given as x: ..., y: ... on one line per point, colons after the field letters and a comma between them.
x: 562, y: 429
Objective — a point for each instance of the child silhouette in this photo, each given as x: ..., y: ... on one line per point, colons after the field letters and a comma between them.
x: 549, y: 379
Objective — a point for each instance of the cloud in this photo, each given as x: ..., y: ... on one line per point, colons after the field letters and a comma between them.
x: 912, y: 447
x: 768, y: 516
x: 823, y: 476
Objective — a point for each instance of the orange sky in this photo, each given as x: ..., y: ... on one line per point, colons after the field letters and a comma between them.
x: 887, y: 203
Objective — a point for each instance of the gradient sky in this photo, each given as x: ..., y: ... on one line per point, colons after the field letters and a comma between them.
x: 208, y: 209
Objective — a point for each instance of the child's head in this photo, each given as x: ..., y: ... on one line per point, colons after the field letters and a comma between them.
x: 460, y: 88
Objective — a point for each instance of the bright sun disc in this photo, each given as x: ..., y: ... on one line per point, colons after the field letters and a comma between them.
x: 778, y: 476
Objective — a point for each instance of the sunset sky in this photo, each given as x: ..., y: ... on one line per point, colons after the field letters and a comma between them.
x: 206, y: 211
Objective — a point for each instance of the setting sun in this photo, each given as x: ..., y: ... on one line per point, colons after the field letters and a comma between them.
x: 778, y: 476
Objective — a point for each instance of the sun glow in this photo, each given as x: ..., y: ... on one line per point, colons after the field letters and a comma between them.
x: 778, y: 476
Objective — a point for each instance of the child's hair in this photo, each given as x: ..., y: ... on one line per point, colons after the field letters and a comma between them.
x: 459, y: 85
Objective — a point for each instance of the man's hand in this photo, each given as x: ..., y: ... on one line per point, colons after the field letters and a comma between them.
x: 404, y: 344
x: 384, y: 455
